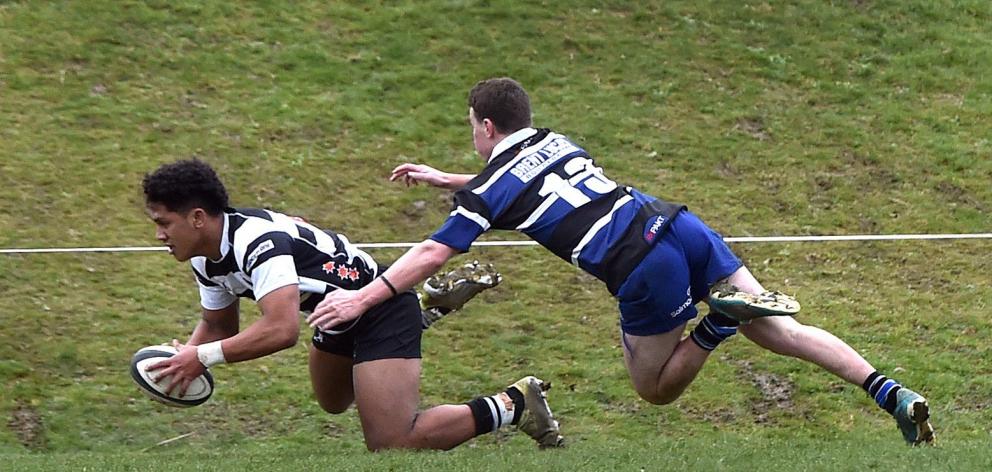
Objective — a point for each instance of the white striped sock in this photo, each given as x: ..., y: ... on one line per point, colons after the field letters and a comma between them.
x: 498, y: 407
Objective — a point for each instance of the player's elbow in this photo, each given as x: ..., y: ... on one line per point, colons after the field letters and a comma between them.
x: 435, y: 255
x: 285, y: 337
x: 290, y: 338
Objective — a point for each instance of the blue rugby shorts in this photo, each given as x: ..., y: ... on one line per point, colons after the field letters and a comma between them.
x: 662, y: 291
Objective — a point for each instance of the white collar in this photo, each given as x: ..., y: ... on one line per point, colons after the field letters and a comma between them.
x: 511, y: 140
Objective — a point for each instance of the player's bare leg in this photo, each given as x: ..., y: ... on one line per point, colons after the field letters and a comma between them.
x: 784, y: 335
x: 663, y: 365
x: 331, y: 378
x: 388, y: 393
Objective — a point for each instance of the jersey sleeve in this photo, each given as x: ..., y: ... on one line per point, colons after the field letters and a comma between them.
x: 276, y: 272
x: 467, y: 221
x: 269, y: 261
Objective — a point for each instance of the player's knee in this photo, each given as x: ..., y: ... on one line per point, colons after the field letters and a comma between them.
x: 334, y: 406
x: 658, y: 398
x: 376, y: 444
x: 335, y: 409
x: 656, y: 395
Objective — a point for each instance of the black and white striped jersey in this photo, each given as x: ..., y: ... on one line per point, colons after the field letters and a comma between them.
x: 262, y: 250
x: 542, y: 184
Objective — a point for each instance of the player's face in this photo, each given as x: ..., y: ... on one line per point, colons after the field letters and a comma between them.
x: 483, y: 143
x: 175, y: 230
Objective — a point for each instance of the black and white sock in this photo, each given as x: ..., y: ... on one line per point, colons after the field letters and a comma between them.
x: 493, y: 412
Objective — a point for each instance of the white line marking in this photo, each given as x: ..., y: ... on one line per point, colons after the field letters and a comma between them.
x: 737, y: 239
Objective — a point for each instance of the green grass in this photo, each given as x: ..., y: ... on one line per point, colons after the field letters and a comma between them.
x: 728, y: 452
x: 800, y: 117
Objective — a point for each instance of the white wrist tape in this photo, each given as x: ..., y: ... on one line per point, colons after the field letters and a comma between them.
x: 210, y: 354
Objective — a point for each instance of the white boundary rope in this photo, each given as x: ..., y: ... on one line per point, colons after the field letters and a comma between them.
x: 739, y: 239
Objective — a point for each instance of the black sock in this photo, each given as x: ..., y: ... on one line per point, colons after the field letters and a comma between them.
x: 482, y: 415
x: 518, y: 403
x: 714, y: 329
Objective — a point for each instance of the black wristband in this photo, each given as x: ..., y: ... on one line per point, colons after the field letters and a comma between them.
x: 386, y: 281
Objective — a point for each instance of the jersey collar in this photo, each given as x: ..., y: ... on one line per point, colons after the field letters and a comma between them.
x: 517, y: 137
x: 225, y: 243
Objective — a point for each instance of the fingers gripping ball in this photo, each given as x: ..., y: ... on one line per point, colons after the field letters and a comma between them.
x: 199, y: 389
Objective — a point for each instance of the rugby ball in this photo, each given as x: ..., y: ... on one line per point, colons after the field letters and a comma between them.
x: 199, y: 389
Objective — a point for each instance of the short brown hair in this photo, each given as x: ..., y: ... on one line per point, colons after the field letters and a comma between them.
x: 504, y: 101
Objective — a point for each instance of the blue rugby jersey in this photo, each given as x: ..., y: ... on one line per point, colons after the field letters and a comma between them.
x: 262, y: 250
x: 540, y: 183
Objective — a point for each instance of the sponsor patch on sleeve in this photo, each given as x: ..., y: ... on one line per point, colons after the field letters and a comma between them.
x: 266, y: 245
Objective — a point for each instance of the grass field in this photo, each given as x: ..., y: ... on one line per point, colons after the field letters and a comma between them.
x: 793, y: 117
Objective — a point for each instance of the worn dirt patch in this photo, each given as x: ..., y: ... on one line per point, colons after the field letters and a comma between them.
x: 959, y: 195
x: 753, y: 126
x: 869, y: 171
x: 726, y: 169
x: 776, y: 391
x: 711, y: 415
x: 25, y: 422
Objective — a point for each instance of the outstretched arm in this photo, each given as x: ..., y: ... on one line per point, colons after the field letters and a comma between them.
x: 277, y: 329
x: 413, y: 174
x: 410, y: 269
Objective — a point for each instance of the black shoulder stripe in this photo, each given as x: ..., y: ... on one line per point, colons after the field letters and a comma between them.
x: 574, y: 226
x: 254, y: 212
x: 307, y: 235
x: 226, y: 266
x: 233, y: 223
x: 203, y: 280
x: 338, y: 243
x: 471, y: 202
x: 265, y: 247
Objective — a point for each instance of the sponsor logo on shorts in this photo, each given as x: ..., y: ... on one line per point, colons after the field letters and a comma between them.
x: 652, y: 227
x: 686, y: 304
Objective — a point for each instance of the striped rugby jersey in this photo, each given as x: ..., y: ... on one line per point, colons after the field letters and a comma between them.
x: 262, y: 250
x: 540, y: 183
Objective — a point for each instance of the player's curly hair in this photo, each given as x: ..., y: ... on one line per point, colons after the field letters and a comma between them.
x: 502, y: 100
x: 184, y: 185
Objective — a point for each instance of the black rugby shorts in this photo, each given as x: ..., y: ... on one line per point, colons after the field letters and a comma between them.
x: 389, y: 330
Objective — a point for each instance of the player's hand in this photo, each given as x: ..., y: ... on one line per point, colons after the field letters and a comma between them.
x: 183, y: 367
x: 413, y: 174
x: 337, y: 307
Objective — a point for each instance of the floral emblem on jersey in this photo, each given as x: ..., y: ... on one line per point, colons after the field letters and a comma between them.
x: 342, y: 271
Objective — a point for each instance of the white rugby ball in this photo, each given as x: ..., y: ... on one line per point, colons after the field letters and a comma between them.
x: 199, y: 389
